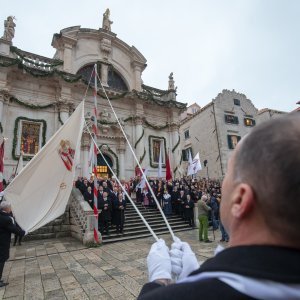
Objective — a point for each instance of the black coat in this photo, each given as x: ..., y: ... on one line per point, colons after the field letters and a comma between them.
x: 119, y: 217
x: 188, y: 209
x: 7, y: 227
x: 106, y: 206
x: 89, y: 198
x: 277, y: 264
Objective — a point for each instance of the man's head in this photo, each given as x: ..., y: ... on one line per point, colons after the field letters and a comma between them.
x: 261, y: 190
x: 5, y: 206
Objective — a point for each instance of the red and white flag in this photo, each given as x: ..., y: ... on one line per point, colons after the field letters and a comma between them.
x: 168, y: 169
x: 1, y: 165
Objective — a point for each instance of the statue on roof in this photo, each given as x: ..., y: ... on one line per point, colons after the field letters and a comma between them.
x: 171, y: 82
x: 9, y: 29
x: 106, y: 23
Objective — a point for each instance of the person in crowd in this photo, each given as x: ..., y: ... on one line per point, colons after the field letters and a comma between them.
x: 214, y: 213
x: 262, y: 260
x: 180, y: 204
x: 189, y: 210
x: 174, y: 197
x: 225, y: 236
x: 7, y: 227
x: 203, y: 210
x: 89, y: 196
x: 17, y: 236
x: 145, y: 197
x: 167, y: 205
x: 105, y: 207
x: 119, y: 213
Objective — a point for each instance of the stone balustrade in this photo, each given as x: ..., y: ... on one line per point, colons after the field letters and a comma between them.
x: 82, y: 218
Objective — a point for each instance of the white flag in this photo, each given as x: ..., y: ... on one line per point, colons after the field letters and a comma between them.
x: 196, y: 165
x: 20, y: 164
x: 89, y: 170
x: 159, y: 171
x: 190, y: 165
x: 142, y: 183
x: 41, y: 191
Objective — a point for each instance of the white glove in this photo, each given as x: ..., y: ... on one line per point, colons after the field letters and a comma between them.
x: 159, y: 262
x: 189, y: 262
x: 176, y: 257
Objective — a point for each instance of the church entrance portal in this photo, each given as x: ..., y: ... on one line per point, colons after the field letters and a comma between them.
x: 102, y: 168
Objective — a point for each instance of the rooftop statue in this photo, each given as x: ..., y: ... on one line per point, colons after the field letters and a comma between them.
x: 171, y: 82
x: 9, y: 29
x: 106, y: 23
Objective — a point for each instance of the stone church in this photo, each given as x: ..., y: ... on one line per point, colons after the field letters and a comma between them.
x: 38, y: 94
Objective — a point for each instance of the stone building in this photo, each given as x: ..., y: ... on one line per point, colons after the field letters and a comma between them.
x: 216, y: 128
x: 38, y: 94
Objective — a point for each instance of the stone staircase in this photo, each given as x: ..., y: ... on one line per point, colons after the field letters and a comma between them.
x: 78, y: 219
x: 60, y: 227
x: 135, y: 228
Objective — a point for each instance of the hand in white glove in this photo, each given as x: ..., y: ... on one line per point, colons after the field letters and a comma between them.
x: 176, y: 257
x: 182, y: 251
x: 159, y: 262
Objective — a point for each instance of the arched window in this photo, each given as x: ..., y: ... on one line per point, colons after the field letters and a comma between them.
x: 114, y: 80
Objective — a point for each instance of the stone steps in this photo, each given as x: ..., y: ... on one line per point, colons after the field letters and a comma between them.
x: 134, y: 227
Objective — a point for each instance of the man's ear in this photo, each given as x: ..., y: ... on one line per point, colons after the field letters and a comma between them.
x: 242, y: 201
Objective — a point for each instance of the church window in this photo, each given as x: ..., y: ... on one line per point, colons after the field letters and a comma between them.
x: 187, y: 134
x: 237, y: 102
x: 233, y: 141
x: 185, y: 153
x: 114, y: 79
x: 230, y: 119
x: 249, y: 122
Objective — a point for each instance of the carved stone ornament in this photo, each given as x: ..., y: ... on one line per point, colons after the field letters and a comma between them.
x: 4, y: 94
x: 171, y: 82
x: 105, y: 46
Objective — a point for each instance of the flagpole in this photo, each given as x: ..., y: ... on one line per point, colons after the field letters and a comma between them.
x: 96, y: 237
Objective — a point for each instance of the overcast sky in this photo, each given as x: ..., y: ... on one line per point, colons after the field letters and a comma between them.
x: 252, y: 46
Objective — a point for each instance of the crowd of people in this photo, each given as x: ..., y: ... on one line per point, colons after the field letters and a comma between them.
x: 176, y: 197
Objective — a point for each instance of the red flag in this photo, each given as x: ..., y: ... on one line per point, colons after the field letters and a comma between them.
x: 1, y: 165
x: 168, y: 169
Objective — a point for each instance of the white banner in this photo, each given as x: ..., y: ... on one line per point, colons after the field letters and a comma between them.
x: 40, y: 193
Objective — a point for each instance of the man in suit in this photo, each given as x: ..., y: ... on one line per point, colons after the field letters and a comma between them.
x: 7, y: 227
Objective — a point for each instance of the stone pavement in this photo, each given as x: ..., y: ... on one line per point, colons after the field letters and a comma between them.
x: 65, y: 269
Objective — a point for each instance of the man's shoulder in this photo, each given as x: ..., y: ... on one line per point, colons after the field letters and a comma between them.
x: 204, y: 289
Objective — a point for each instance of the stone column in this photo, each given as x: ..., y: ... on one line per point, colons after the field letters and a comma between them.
x: 68, y: 58
x: 138, y: 78
x: 122, y: 163
x: 176, y: 154
x: 84, y: 160
x: 64, y: 112
x: 104, y: 74
x: 139, y: 148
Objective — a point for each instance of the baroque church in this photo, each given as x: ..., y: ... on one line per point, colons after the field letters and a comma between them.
x: 38, y: 94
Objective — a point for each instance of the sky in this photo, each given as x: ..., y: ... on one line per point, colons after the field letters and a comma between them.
x: 251, y: 46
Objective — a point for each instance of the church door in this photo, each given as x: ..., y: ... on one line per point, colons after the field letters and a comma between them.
x: 102, y: 168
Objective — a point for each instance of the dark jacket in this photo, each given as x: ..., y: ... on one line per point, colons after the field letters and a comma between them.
x: 7, y: 227
x: 277, y: 264
x: 119, y: 207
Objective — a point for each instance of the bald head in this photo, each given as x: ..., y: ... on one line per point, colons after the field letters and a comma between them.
x: 268, y: 160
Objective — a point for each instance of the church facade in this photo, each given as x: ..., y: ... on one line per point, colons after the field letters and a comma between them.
x: 38, y: 94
